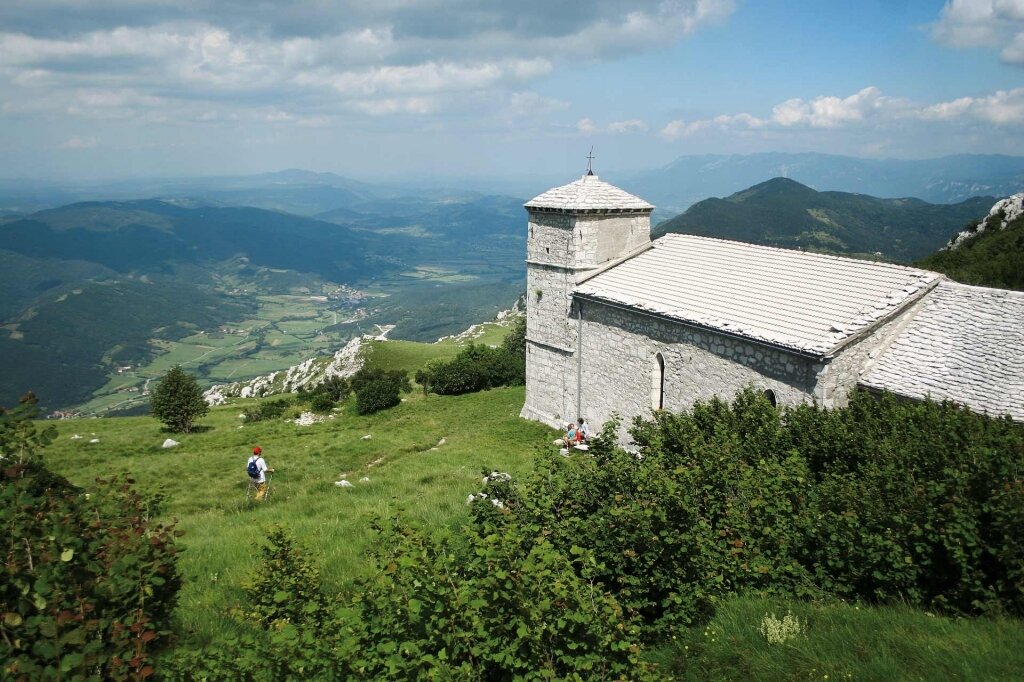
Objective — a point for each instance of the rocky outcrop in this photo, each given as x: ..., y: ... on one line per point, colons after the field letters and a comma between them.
x: 308, y: 373
x: 1002, y: 214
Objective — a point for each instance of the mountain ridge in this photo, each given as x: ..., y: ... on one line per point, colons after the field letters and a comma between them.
x: 686, y: 180
x: 783, y: 212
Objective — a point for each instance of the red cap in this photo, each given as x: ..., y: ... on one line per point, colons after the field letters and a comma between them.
x: 257, y: 450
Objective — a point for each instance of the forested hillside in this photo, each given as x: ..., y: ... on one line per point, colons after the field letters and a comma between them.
x: 782, y: 212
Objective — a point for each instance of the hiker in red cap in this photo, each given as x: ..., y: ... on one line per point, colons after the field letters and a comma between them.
x: 257, y: 469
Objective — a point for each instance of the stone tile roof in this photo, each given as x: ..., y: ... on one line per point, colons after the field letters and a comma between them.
x: 588, y: 194
x: 806, y: 302
x: 966, y: 344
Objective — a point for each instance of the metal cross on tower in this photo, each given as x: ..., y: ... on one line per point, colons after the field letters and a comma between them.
x: 590, y: 160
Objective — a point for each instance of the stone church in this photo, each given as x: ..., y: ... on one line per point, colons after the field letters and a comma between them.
x: 617, y: 323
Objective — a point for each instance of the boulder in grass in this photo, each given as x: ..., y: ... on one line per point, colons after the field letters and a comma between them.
x: 95, y: 440
x: 367, y: 437
x: 76, y: 437
x: 170, y: 443
x: 364, y: 479
x: 343, y: 484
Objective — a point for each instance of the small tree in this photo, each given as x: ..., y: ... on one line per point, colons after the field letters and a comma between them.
x: 178, y: 400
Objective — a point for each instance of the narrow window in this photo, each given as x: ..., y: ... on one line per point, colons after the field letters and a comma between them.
x: 770, y: 395
x: 658, y: 383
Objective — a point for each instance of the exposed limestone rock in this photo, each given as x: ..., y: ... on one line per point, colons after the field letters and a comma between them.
x: 308, y: 373
x: 1012, y: 208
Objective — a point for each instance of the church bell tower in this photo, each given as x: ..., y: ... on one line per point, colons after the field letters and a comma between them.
x: 572, y: 231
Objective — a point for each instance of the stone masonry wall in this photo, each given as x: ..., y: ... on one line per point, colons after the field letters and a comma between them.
x: 547, y: 308
x: 618, y: 359
x: 548, y: 397
x: 559, y: 247
x: 603, y: 238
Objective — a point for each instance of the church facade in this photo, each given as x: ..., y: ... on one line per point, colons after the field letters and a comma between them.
x: 620, y: 324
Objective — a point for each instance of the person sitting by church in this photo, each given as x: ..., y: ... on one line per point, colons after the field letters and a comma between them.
x: 582, y: 431
x: 570, y: 435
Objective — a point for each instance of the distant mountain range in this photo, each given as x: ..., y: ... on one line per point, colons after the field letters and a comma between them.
x: 672, y: 188
x: 783, y: 212
x: 950, y: 179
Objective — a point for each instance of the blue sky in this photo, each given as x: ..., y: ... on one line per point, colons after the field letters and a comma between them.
x: 464, y: 88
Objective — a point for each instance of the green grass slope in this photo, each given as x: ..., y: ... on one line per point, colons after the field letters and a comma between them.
x: 423, y: 458
x: 844, y: 642
x: 784, y: 213
x: 993, y: 258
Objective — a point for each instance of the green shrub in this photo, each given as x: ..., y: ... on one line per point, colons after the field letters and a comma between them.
x: 88, y: 581
x: 321, y: 402
x: 494, y: 605
x: 884, y: 500
x: 302, y: 634
x: 268, y: 409
x: 377, y: 395
x: 368, y: 375
x: 476, y: 368
x: 286, y: 586
x: 334, y: 386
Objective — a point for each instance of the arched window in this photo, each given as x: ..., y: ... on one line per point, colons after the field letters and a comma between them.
x: 770, y: 395
x: 658, y: 383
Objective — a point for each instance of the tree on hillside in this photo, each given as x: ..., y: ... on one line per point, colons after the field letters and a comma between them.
x: 178, y: 400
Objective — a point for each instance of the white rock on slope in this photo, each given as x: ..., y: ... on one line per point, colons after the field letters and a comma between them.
x: 343, y: 363
x: 1012, y: 208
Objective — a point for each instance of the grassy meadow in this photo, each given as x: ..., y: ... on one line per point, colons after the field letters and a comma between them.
x: 423, y: 458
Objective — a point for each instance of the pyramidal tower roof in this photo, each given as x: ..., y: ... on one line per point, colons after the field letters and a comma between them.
x: 589, y: 194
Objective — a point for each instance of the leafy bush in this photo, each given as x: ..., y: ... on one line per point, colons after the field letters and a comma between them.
x: 495, y: 606
x: 368, y: 375
x: 286, y: 587
x: 268, y: 409
x: 88, y: 581
x: 884, y: 500
x: 334, y: 386
x: 302, y: 634
x: 178, y: 400
x: 479, y: 367
x: 377, y: 395
x: 321, y: 402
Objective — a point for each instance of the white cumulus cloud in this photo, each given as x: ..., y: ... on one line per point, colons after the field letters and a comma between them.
x: 983, y: 23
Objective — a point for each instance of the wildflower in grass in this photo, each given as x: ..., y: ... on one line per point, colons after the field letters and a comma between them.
x: 780, y: 631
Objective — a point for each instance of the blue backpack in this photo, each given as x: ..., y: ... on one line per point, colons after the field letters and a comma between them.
x: 252, y: 469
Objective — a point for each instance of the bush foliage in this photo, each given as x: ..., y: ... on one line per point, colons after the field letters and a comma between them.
x: 268, y: 409
x: 882, y: 501
x: 178, y: 401
x: 479, y: 367
x: 378, y: 389
x: 88, y: 581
